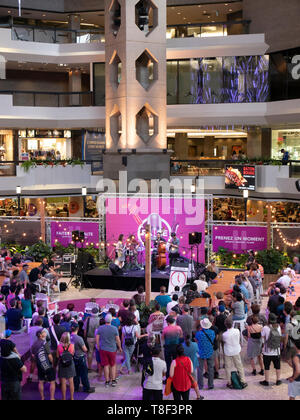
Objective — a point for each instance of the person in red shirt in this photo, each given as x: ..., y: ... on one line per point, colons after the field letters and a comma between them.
x: 172, y: 336
x: 180, y: 372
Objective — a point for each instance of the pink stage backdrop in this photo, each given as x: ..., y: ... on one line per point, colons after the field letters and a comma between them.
x: 130, y: 216
x: 240, y: 238
x: 62, y: 232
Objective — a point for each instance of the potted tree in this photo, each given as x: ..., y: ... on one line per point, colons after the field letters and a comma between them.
x: 273, y: 261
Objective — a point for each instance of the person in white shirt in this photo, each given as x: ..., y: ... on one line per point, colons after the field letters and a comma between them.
x: 171, y: 305
x: 232, y: 352
x: 2, y: 306
x: 201, y: 283
x: 153, y: 384
x: 285, y: 280
x: 270, y: 354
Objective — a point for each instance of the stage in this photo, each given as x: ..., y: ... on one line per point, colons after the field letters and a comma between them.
x: 103, y: 279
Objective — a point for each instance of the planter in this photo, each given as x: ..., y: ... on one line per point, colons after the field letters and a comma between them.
x: 269, y: 278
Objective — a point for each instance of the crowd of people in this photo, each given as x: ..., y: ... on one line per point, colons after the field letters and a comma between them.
x: 177, y: 349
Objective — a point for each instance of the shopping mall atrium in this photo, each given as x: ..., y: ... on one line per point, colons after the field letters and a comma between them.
x: 110, y: 112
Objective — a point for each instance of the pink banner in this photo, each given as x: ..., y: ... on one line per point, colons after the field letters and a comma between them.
x: 129, y: 216
x: 240, y: 239
x: 62, y: 232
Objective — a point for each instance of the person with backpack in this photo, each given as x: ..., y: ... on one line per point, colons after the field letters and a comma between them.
x: 42, y: 353
x: 130, y: 335
x: 294, y: 380
x: 291, y: 337
x: 271, y: 335
x: 205, y: 337
x: 232, y: 351
x: 66, y: 366
x: 154, y: 371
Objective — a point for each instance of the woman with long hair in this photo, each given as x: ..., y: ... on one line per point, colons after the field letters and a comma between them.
x: 66, y: 366
x: 180, y: 372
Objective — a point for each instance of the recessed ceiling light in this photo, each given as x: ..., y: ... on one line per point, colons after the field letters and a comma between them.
x: 9, y: 11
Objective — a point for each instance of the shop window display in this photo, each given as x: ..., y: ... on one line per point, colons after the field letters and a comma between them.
x: 45, y: 144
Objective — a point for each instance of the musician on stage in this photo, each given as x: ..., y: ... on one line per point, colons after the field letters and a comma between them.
x: 173, y: 248
x: 158, y: 240
x: 120, y: 252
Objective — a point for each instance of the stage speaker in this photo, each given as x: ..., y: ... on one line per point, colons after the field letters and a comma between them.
x: 77, y: 236
x: 195, y: 238
x: 115, y: 270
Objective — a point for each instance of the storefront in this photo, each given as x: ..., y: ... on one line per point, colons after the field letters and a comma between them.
x: 207, y: 144
x: 45, y: 144
x: 289, y: 140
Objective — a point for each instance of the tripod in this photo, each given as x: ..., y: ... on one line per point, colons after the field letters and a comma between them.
x: 75, y: 275
x: 192, y: 262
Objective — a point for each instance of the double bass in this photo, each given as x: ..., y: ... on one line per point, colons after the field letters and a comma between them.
x: 161, y: 259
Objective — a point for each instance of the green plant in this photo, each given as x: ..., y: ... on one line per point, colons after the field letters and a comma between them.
x: 272, y: 260
x: 33, y: 163
x: 231, y: 260
x: 61, y: 250
x: 15, y: 248
x: 39, y: 251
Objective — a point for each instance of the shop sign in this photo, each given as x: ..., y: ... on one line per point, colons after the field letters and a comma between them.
x: 240, y: 177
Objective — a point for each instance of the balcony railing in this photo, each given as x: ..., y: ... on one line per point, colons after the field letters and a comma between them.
x: 8, y: 168
x: 51, y: 99
x: 205, y: 30
x: 55, y: 35
x: 216, y: 167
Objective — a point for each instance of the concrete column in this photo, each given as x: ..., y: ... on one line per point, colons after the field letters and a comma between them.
x: 209, y: 142
x: 75, y: 85
x: 254, y: 143
x: 74, y: 25
x: 136, y: 120
x: 181, y: 146
x: 266, y: 143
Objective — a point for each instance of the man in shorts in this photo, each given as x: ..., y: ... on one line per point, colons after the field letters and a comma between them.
x: 107, y: 343
x: 42, y: 353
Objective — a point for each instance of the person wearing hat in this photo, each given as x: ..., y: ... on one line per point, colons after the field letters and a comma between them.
x: 271, y: 335
x: 205, y: 338
x: 11, y: 369
x: 107, y: 343
x: 80, y: 361
x: 90, y: 326
x: 232, y: 351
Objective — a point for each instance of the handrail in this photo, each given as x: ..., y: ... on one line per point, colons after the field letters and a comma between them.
x: 192, y: 25
x: 34, y: 92
x: 51, y: 28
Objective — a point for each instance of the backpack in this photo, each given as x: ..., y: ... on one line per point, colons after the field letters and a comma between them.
x: 129, y: 340
x: 42, y: 359
x: 236, y: 381
x: 295, y: 333
x: 148, y: 369
x: 274, y: 340
x: 66, y: 358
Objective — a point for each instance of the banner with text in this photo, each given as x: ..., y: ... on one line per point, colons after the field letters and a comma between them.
x: 240, y: 239
x: 62, y: 232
